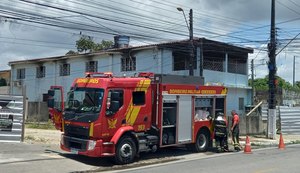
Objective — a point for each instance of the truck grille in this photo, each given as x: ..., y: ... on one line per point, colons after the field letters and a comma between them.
x: 77, y: 131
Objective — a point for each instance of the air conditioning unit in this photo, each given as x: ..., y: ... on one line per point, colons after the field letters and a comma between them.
x: 18, y: 83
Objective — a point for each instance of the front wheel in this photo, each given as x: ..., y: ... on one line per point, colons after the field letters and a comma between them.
x: 125, y: 151
x: 202, y: 141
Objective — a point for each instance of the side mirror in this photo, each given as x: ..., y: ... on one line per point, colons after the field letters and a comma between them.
x: 50, y: 102
x: 51, y: 92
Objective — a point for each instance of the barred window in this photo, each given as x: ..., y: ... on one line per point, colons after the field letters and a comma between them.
x: 40, y: 71
x: 128, y: 64
x: 181, y: 60
x: 64, y: 70
x: 213, y: 61
x: 21, y: 73
x: 213, y: 64
x: 237, y: 64
x: 91, y: 66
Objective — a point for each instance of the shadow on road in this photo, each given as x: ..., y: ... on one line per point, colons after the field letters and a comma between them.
x: 161, y: 156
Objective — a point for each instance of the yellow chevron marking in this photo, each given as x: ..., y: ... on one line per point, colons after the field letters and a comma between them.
x: 133, y: 111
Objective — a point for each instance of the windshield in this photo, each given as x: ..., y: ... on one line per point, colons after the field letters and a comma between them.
x: 83, y: 104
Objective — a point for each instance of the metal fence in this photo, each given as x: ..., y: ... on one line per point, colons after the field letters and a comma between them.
x: 11, y: 118
x: 290, y: 120
x: 288, y: 116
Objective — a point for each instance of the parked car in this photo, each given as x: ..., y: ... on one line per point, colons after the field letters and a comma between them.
x: 6, y: 121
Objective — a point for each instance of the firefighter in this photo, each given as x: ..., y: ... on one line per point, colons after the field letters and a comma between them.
x: 221, y: 132
x: 235, y: 130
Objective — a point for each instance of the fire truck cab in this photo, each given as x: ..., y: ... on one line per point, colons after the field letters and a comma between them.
x: 120, y: 117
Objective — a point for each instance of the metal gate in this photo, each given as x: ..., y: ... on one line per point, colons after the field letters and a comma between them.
x: 290, y: 120
x: 289, y: 117
x: 11, y: 118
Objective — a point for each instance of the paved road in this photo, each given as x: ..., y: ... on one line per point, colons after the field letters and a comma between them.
x: 21, y: 157
x: 269, y: 160
x: 43, y: 158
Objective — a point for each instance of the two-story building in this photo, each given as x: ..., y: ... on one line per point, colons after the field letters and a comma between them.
x: 218, y: 62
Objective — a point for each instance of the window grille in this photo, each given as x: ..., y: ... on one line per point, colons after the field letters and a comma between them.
x: 64, y: 70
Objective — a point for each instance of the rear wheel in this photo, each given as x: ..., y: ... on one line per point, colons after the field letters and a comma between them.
x: 125, y: 151
x: 202, y: 141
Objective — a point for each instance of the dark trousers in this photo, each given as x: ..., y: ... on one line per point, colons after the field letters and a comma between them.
x: 235, y: 138
x: 221, y: 142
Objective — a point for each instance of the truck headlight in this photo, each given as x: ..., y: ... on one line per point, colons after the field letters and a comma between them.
x: 91, y: 145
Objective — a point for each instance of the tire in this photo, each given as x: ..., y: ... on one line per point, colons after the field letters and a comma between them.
x: 125, y: 151
x: 202, y: 141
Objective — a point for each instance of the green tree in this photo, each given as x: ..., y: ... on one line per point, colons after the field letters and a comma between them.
x: 263, y: 83
x: 297, y: 84
x: 103, y: 45
x: 86, y: 43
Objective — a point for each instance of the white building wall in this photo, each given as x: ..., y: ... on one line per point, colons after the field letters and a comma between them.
x: 152, y: 59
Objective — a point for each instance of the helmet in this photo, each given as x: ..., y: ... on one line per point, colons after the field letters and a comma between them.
x: 220, y: 114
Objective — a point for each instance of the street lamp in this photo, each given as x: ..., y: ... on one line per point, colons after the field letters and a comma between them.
x: 190, y: 28
x: 294, y: 64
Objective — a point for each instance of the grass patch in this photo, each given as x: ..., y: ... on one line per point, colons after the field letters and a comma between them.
x: 40, y: 125
x: 296, y: 142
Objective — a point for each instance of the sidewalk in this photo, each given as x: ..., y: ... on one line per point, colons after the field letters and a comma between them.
x: 256, y: 141
x: 262, y: 140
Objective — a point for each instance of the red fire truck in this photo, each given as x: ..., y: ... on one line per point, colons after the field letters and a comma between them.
x: 105, y: 115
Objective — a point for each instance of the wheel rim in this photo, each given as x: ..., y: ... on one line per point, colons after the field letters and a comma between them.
x: 126, y: 150
x: 202, y: 141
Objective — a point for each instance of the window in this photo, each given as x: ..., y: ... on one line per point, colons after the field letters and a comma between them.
x: 213, y: 61
x: 40, y: 71
x: 91, y: 66
x: 128, y: 64
x: 181, y: 60
x: 237, y: 64
x: 241, y: 103
x: 21, y: 73
x: 138, y: 98
x: 64, y: 70
x: 114, y: 101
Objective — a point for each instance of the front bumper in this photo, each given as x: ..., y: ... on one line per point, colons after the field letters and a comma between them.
x: 91, y: 148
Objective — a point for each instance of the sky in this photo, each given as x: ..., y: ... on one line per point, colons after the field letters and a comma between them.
x: 32, y: 29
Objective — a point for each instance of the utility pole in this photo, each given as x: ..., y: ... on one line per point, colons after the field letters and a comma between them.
x: 252, y: 81
x: 272, y: 72
x: 294, y: 62
x: 191, y: 61
x: 190, y: 28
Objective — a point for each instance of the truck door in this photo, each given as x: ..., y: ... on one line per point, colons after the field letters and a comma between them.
x: 114, y: 111
x: 185, y: 119
x: 56, y: 105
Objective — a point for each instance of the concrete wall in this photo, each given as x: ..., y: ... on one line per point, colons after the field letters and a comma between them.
x: 37, y: 111
x: 4, y: 90
x: 250, y: 125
